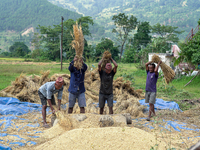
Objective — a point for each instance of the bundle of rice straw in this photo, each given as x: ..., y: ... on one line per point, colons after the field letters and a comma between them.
x: 169, y: 74
x: 78, y: 44
x: 106, y: 58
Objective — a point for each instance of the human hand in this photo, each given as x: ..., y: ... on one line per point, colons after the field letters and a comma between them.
x: 53, y: 111
x: 75, y: 58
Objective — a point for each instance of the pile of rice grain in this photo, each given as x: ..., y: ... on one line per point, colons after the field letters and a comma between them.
x: 169, y: 74
x: 103, y: 138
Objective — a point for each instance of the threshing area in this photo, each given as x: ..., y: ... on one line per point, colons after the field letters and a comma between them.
x: 169, y: 129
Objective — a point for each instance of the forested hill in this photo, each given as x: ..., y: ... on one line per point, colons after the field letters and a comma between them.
x: 18, y: 15
x: 181, y: 13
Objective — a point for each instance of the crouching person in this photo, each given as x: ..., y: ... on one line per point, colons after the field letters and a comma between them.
x: 46, y: 93
x: 106, y: 89
x: 150, y: 95
x: 76, y: 87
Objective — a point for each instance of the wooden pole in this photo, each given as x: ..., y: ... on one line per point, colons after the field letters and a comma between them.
x: 61, y: 40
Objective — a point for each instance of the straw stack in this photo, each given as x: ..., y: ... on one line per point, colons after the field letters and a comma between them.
x: 169, y: 74
x: 106, y: 58
x: 78, y: 44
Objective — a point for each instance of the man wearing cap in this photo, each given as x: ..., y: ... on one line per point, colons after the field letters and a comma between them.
x: 106, y: 89
x: 46, y: 93
x: 76, y: 87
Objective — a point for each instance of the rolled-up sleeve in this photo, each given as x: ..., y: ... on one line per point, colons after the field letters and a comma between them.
x: 60, y: 92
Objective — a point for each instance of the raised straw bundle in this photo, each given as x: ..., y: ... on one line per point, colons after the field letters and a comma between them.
x: 106, y: 58
x: 78, y: 44
x: 169, y: 74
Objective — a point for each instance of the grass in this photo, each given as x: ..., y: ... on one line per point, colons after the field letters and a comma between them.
x: 13, y: 59
x: 174, y: 91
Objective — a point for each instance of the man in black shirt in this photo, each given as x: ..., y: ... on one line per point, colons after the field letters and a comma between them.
x: 106, y: 89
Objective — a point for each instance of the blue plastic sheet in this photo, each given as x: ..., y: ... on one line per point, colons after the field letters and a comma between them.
x: 2, y: 147
x: 161, y: 104
x: 10, y: 108
x: 9, y: 105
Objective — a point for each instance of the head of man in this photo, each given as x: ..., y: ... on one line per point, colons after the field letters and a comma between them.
x: 108, y: 67
x: 152, y: 67
x: 59, y: 83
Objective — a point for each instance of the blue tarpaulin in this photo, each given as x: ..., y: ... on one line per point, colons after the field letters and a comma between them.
x: 161, y: 104
x: 9, y: 105
x: 10, y: 108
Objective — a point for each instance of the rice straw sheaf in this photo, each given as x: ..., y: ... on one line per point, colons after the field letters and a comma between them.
x: 169, y: 74
x: 106, y: 58
x: 78, y: 44
x: 25, y: 88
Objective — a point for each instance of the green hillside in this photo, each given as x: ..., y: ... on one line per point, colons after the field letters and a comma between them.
x: 18, y: 15
x: 181, y: 13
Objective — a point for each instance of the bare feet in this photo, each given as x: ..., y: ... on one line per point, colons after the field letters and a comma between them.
x: 46, y: 125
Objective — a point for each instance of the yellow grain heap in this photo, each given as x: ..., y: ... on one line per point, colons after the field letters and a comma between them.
x: 106, y: 58
x: 169, y: 74
x: 78, y: 44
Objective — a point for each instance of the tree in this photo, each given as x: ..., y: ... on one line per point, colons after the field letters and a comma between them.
x: 168, y: 32
x: 124, y: 25
x: 190, y: 50
x: 19, y: 49
x: 51, y: 37
x: 106, y: 44
x: 142, y: 37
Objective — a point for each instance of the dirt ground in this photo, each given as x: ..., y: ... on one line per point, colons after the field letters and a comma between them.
x: 159, y: 133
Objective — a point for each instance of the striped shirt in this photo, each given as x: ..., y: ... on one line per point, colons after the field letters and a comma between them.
x: 48, y: 89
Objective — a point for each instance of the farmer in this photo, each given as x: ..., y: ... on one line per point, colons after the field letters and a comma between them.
x: 46, y: 93
x: 77, y: 88
x: 150, y: 95
x: 106, y: 89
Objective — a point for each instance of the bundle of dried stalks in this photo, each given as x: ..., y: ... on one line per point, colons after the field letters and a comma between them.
x: 169, y: 74
x: 106, y: 59
x: 78, y: 44
x: 25, y: 88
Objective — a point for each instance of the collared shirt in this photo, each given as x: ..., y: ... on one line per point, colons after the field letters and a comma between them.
x: 48, y: 89
x: 151, y: 81
x: 77, y: 78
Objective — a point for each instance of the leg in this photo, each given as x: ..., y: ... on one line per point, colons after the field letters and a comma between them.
x: 82, y: 102
x: 110, y: 103
x: 152, y: 101
x: 110, y: 110
x: 101, y: 103
x: 153, y: 110
x: 82, y: 110
x: 72, y: 101
x: 101, y: 111
x: 70, y: 110
x: 44, y: 107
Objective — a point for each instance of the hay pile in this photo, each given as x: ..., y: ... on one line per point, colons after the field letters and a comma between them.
x: 169, y: 74
x: 78, y: 44
x: 106, y: 58
x: 25, y: 88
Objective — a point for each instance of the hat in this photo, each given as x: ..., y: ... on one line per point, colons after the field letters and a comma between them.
x: 59, y: 81
x: 108, y: 66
